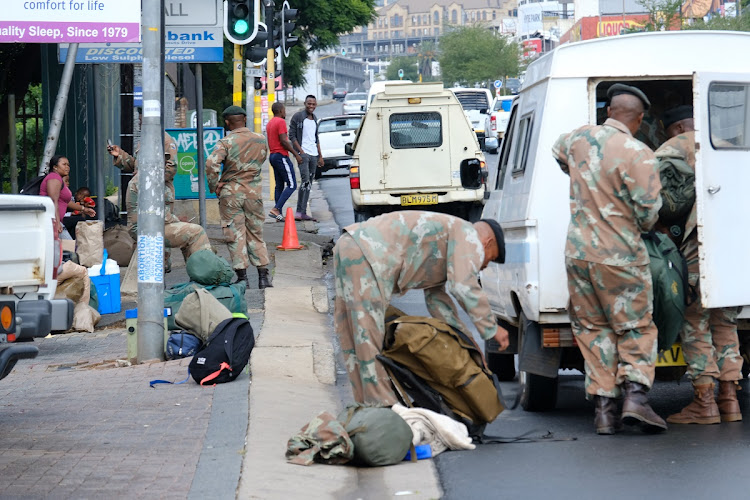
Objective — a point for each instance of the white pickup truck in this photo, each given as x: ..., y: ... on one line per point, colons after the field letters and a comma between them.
x: 30, y: 255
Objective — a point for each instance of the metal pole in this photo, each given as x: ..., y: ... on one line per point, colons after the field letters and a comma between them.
x: 99, y: 163
x: 257, y: 113
x: 237, y: 76
x: 151, y: 194
x: 199, y: 144
x: 53, y: 134
x: 270, y: 59
x: 12, y: 143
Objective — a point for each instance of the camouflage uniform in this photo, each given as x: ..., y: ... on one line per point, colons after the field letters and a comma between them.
x: 392, y: 254
x: 187, y: 237
x: 709, y: 337
x: 614, y: 196
x: 239, y: 190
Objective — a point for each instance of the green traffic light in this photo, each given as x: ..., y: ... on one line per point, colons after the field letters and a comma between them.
x: 241, y: 27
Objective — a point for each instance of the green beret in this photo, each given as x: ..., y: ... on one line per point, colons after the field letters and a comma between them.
x: 674, y: 115
x: 233, y: 110
x: 621, y: 88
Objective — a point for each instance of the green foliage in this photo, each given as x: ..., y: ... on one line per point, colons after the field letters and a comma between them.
x: 29, y: 148
x: 741, y: 23
x: 110, y: 189
x: 408, y: 64
x: 217, y: 82
x: 475, y: 54
x: 662, y: 14
x: 427, y: 54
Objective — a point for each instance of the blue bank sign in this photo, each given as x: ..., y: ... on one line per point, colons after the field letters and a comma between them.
x: 194, y: 33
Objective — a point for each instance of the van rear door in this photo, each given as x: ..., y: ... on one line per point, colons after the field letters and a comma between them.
x: 722, y: 121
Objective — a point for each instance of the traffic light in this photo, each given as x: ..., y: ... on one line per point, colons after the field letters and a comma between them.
x: 255, y: 50
x: 288, y: 16
x: 240, y: 20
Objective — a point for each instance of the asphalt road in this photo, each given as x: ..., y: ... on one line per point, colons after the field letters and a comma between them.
x: 692, y: 462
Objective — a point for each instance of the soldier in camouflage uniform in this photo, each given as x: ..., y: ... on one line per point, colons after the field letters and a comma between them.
x: 189, y: 238
x: 398, y: 252
x: 614, y: 196
x: 709, y: 336
x: 240, y: 199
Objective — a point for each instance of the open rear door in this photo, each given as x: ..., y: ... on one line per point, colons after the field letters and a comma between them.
x: 722, y: 121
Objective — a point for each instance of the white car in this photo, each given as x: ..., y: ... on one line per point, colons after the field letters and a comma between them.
x: 497, y: 121
x: 334, y: 133
x: 476, y: 104
x: 354, y: 101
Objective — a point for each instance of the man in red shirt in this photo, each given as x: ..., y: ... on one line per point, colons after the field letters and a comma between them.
x: 283, y: 170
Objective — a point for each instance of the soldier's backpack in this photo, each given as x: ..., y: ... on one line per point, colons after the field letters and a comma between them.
x: 437, y: 367
x: 677, y: 190
x: 672, y: 292
x: 225, y: 354
x: 231, y: 296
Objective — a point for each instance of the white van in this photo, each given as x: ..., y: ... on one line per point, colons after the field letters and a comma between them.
x: 530, y: 197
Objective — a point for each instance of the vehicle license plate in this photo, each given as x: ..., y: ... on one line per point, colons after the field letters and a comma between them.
x: 345, y: 163
x: 670, y: 357
x: 419, y: 199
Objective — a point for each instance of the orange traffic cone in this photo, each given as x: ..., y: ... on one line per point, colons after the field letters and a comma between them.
x: 289, y: 241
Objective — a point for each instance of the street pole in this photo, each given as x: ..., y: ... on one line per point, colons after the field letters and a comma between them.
x: 270, y: 59
x: 99, y: 163
x: 12, y: 143
x: 257, y: 113
x: 151, y: 194
x: 237, y: 82
x: 199, y: 144
x: 60, y: 102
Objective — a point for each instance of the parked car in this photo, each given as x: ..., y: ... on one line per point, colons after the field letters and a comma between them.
x: 354, y: 101
x: 339, y: 94
x: 334, y: 132
x: 513, y: 85
x: 476, y: 104
x: 497, y: 121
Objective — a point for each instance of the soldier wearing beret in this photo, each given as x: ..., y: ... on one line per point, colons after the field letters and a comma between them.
x: 238, y: 187
x: 710, y: 343
x: 614, y: 197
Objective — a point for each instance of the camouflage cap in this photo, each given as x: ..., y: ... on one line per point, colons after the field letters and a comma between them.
x: 621, y: 88
x: 674, y: 115
x: 233, y: 110
x: 498, y: 237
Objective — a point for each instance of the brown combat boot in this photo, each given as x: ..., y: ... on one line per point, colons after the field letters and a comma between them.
x: 729, y: 407
x: 702, y: 410
x: 264, y: 281
x: 637, y: 411
x: 606, y: 419
x: 241, y: 276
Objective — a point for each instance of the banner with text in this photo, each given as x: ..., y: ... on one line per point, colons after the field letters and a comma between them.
x: 186, y: 178
x: 70, y: 21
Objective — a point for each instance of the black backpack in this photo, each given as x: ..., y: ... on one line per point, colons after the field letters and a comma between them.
x: 33, y: 186
x: 225, y: 354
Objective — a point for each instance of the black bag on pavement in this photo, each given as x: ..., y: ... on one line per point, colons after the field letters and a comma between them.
x: 33, y: 186
x: 182, y: 345
x: 225, y: 354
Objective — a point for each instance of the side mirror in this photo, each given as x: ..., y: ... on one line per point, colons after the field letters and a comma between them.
x: 484, y: 111
x: 348, y: 149
x: 362, y: 108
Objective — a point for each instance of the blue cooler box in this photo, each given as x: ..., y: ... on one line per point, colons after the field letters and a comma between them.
x: 108, y: 292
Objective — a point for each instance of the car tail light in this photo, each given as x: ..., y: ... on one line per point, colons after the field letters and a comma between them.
x: 485, y: 173
x: 57, y: 252
x: 6, y: 317
x: 354, y: 177
x: 493, y: 123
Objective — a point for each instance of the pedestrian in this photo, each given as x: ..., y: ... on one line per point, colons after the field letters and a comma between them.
x: 58, y: 191
x: 303, y: 132
x: 614, y: 197
x: 402, y: 251
x: 710, y: 343
x: 283, y: 170
x: 238, y: 187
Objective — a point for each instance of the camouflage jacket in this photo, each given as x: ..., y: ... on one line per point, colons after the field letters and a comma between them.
x: 433, y: 252
x: 614, y: 193
x: 129, y: 163
x: 683, y: 146
x: 242, y: 152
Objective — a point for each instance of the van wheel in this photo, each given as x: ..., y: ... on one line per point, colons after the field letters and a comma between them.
x: 538, y: 393
x: 361, y: 215
x: 502, y: 365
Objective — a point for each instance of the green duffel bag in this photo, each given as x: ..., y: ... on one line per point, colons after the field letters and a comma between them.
x: 670, y: 281
x: 231, y: 296
x: 380, y: 435
x: 207, y: 268
x: 93, y: 296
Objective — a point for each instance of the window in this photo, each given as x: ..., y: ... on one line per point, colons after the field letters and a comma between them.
x: 484, y: 15
x: 729, y: 115
x: 521, y: 153
x: 454, y: 16
x: 437, y: 31
x: 508, y: 143
x: 436, y: 17
x: 339, y: 124
x: 494, y: 15
x: 416, y: 130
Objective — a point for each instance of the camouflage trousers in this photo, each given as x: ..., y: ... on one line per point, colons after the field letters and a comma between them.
x: 187, y: 237
x: 241, y: 215
x: 710, y: 343
x: 359, y: 321
x: 611, y: 316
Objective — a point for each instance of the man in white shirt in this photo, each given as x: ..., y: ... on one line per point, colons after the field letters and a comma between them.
x: 303, y: 132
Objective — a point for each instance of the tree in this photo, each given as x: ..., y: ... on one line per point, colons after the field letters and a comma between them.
x: 474, y: 54
x: 662, y: 14
x: 427, y: 55
x: 408, y: 64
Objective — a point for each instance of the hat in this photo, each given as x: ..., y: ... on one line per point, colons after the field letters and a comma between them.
x: 499, y: 238
x: 233, y: 110
x: 674, y: 115
x: 621, y: 88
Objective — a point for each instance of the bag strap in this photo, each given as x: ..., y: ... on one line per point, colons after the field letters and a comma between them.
x: 157, y: 381
x: 223, y: 366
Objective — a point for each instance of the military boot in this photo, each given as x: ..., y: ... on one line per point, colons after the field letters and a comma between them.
x: 703, y: 409
x: 637, y: 411
x: 606, y: 419
x: 264, y: 280
x: 241, y: 276
x: 729, y: 407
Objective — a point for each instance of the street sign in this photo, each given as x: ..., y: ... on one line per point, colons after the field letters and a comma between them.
x: 256, y: 72
x: 498, y: 84
x: 400, y: 73
x: 186, y: 177
x: 194, y: 33
x: 72, y: 21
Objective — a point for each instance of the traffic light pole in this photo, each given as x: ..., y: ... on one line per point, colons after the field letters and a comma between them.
x: 237, y: 83
x: 270, y: 59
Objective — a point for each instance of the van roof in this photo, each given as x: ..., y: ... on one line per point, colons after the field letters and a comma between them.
x: 411, y: 89
x: 675, y: 53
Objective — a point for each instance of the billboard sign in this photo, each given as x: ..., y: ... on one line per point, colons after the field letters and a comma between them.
x: 615, y: 27
x: 186, y: 178
x: 71, y: 21
x: 530, y: 18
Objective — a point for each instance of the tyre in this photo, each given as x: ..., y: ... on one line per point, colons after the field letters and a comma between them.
x: 481, y: 144
x: 502, y: 365
x: 538, y: 393
x: 492, y: 151
x: 474, y: 212
x: 361, y: 215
